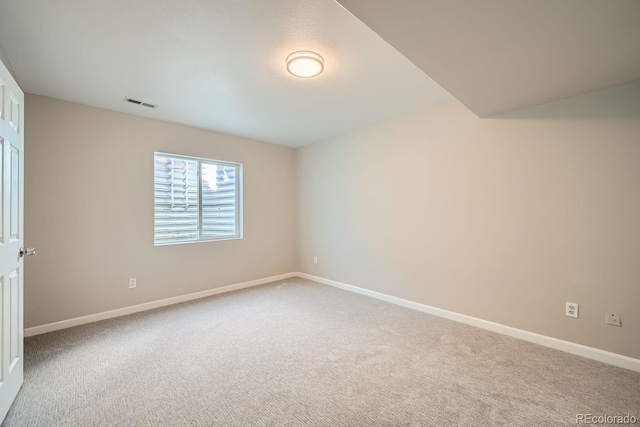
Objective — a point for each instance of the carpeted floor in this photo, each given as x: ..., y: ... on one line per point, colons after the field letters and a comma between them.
x: 297, y: 353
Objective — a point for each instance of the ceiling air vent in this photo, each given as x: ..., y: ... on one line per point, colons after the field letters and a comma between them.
x: 144, y: 104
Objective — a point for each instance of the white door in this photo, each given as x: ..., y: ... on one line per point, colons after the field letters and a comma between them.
x: 11, y: 237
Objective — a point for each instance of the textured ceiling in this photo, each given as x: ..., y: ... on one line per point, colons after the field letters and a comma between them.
x: 215, y: 64
x: 501, y: 55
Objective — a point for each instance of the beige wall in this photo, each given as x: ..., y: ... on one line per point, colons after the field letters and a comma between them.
x: 89, y: 212
x: 503, y: 219
x: 5, y: 60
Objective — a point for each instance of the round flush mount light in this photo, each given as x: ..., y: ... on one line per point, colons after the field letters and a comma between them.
x: 305, y: 64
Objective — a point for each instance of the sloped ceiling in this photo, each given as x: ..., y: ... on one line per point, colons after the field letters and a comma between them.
x: 501, y: 55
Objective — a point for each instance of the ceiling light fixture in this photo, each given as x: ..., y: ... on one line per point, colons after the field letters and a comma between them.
x: 305, y: 64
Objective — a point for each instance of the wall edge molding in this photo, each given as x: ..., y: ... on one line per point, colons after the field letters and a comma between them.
x: 593, y: 353
x: 96, y: 317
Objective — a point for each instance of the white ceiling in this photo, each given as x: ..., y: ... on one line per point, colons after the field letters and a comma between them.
x: 501, y: 55
x: 215, y: 64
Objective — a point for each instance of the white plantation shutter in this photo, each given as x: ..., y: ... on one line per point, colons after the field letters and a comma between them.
x: 176, y: 200
x: 195, y: 199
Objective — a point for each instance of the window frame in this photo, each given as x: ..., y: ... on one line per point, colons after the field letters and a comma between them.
x: 239, y: 198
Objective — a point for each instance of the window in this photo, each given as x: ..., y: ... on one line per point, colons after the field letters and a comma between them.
x: 196, y: 199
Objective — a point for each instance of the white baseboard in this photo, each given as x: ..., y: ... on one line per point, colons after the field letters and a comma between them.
x: 558, y: 344
x: 63, y: 324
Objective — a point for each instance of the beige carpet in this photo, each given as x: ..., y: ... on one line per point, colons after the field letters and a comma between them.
x: 296, y: 353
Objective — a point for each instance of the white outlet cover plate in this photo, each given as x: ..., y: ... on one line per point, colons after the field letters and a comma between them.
x: 572, y: 309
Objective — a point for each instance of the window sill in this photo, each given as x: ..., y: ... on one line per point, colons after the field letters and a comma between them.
x: 198, y: 241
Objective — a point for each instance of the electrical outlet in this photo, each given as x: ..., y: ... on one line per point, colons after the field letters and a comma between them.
x: 613, y: 319
x: 132, y: 283
x: 315, y: 259
x: 572, y: 310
